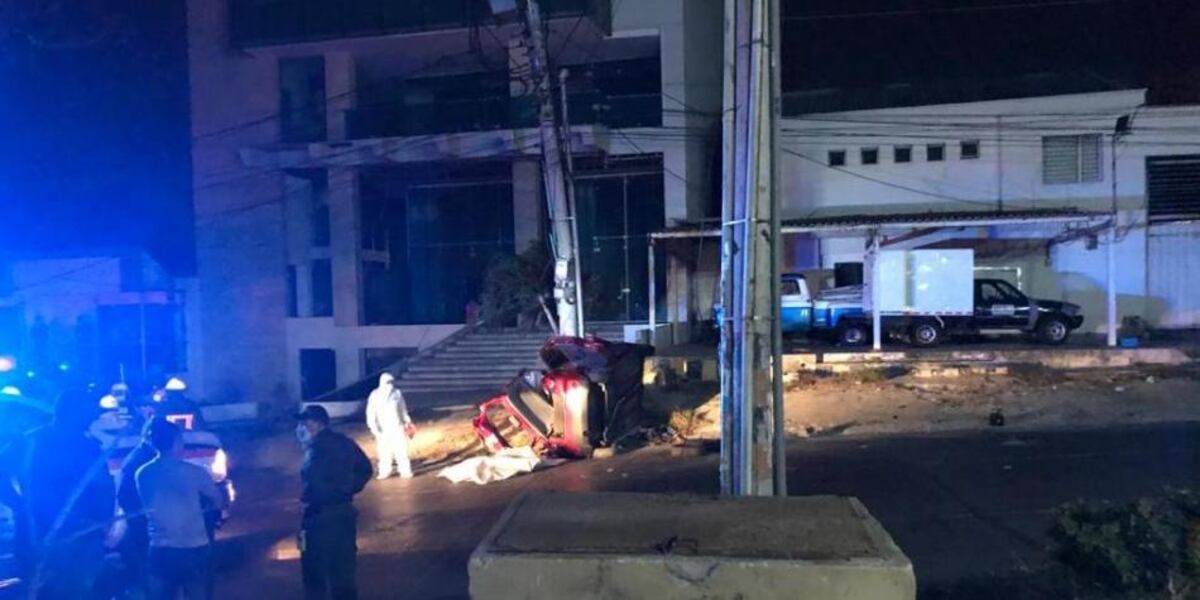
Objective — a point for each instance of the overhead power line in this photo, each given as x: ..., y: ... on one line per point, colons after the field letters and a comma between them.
x: 947, y: 10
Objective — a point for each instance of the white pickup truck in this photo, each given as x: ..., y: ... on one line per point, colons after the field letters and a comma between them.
x: 924, y: 296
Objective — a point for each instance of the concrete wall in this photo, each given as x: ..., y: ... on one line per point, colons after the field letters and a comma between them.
x: 349, y: 342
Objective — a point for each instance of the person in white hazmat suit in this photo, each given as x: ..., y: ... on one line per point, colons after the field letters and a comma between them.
x: 388, y: 420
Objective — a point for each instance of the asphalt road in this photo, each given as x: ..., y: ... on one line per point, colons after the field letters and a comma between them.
x: 963, y: 507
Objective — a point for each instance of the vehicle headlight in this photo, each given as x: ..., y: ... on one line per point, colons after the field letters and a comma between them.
x: 220, y: 466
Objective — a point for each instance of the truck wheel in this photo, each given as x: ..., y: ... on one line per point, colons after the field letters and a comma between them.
x: 926, y: 333
x: 853, y: 334
x: 1053, y: 330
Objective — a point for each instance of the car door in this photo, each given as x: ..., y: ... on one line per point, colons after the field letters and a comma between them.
x: 998, y: 305
x: 795, y: 306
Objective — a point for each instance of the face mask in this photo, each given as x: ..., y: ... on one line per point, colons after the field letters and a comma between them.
x: 303, y: 434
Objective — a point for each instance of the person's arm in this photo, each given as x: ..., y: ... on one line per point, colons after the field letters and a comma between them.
x: 373, y: 413
x: 402, y: 408
x: 208, y: 488
x: 362, y: 467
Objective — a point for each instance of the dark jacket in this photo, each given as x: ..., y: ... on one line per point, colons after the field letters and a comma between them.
x: 335, y: 469
x: 59, y: 461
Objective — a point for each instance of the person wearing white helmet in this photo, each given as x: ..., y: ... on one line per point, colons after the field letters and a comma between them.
x: 388, y: 420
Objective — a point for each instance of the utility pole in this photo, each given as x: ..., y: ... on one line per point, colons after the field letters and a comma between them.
x: 752, y: 444
x: 561, y: 218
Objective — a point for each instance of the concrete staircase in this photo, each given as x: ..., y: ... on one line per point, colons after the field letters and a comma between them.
x: 484, y: 360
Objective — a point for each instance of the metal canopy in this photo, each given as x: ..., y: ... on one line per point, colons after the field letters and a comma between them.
x: 862, y: 223
x: 873, y: 224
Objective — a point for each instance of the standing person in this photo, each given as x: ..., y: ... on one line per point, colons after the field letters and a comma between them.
x: 135, y: 545
x: 388, y: 420
x: 179, y: 561
x: 335, y: 469
x: 69, y: 502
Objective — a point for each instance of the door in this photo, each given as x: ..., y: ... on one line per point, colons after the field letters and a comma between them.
x: 999, y: 305
x: 318, y: 372
x: 617, y: 213
x: 794, y: 306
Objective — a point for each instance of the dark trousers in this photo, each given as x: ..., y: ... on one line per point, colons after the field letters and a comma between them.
x: 329, y: 553
x: 179, y: 572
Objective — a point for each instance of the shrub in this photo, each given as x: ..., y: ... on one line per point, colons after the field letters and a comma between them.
x: 1149, y: 548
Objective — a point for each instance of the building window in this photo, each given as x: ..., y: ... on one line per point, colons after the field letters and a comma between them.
x: 1173, y: 186
x: 902, y: 154
x: 935, y: 152
x: 870, y: 156
x: 293, y: 308
x: 968, y: 149
x: 837, y: 158
x: 318, y: 372
x: 379, y: 359
x: 322, y: 288
x: 302, y: 99
x: 1071, y: 159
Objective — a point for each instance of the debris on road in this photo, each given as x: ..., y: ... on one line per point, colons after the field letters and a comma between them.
x: 499, y: 466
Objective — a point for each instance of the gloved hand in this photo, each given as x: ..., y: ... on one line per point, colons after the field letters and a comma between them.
x: 410, y: 430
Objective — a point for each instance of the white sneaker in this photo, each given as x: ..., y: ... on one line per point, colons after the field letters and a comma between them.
x: 406, y: 476
x: 383, y: 476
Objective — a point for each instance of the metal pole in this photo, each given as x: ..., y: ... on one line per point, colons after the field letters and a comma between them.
x: 876, y: 317
x: 748, y: 272
x: 573, y: 207
x: 779, y: 439
x: 652, y: 289
x: 552, y: 170
x: 1111, y: 252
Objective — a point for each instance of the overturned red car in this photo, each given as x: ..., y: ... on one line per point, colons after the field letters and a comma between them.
x: 590, y: 396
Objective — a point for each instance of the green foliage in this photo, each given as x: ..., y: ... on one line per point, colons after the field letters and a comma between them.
x: 1149, y: 548
x: 512, y: 285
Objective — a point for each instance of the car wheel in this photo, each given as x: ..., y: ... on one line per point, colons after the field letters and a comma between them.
x: 926, y: 333
x: 1053, y: 330
x: 853, y: 334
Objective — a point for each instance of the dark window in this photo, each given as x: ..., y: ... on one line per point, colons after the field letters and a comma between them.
x: 935, y: 152
x: 837, y: 158
x: 322, y: 288
x: 378, y: 359
x: 318, y: 372
x: 870, y: 156
x: 968, y: 149
x: 902, y: 154
x: 319, y: 180
x: 790, y: 287
x: 847, y: 273
x: 1173, y: 186
x: 293, y: 309
x: 302, y: 99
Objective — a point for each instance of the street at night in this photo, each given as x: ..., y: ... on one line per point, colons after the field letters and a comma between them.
x: 966, y: 508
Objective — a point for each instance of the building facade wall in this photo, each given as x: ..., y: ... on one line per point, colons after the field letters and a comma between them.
x: 255, y: 304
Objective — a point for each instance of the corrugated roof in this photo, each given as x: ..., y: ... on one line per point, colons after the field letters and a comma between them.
x: 910, y: 219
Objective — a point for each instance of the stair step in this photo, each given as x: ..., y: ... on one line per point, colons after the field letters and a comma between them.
x: 439, y: 367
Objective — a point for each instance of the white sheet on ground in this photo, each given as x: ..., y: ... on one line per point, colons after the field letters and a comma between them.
x: 502, y: 465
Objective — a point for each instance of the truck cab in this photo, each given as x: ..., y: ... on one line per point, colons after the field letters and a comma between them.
x: 1001, y: 307
x: 837, y: 313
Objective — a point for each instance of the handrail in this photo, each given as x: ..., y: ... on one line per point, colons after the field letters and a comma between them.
x: 398, y: 367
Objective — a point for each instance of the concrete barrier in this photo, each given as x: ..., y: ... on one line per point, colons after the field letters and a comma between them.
x: 616, y: 545
x: 239, y: 412
x: 929, y: 362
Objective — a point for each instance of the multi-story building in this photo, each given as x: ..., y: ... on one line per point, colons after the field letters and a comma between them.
x: 358, y: 164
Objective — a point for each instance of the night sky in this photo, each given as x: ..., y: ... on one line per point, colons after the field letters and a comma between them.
x: 94, y: 103
x: 94, y: 115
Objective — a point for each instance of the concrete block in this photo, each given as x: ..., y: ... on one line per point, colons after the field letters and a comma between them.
x: 616, y: 545
x: 230, y: 413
